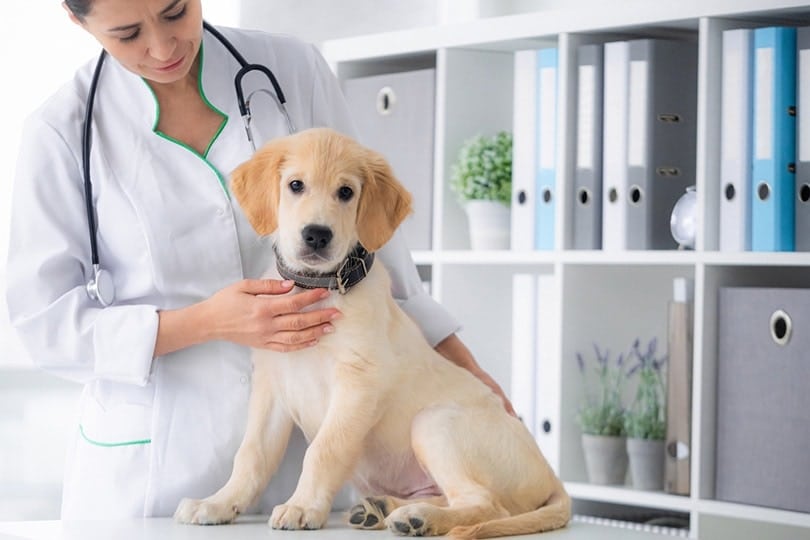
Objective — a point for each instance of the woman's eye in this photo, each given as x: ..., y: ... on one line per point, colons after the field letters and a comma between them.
x: 178, y: 15
x: 296, y: 186
x: 132, y: 37
x: 345, y: 193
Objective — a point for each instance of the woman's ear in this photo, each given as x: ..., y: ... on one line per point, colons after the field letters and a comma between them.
x: 256, y: 185
x: 384, y: 203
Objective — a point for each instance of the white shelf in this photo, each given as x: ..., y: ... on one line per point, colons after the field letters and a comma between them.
x: 629, y: 496
x: 605, y: 297
x: 514, y: 32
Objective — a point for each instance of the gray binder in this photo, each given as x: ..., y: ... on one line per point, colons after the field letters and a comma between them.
x: 763, y: 402
x: 662, y: 126
x: 588, y: 172
x: 394, y: 115
x: 803, y: 139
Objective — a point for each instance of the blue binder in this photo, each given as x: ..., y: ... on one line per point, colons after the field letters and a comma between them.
x: 545, y: 196
x: 772, y: 206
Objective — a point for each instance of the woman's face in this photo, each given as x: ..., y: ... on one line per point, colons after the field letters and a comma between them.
x: 156, y: 39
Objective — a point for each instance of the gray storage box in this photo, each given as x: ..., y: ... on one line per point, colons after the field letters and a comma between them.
x: 394, y: 114
x: 763, y: 397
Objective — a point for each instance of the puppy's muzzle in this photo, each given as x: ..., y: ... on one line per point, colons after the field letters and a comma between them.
x: 316, y: 237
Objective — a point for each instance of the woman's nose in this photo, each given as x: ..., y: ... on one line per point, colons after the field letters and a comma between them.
x: 162, y: 46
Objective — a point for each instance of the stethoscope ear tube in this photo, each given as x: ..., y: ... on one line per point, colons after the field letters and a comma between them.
x: 86, y: 144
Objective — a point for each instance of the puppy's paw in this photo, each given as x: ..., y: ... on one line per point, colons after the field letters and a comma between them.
x: 411, y: 520
x: 290, y: 517
x: 369, y: 513
x: 204, y: 512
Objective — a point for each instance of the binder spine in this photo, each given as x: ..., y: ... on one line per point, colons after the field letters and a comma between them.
x: 614, y: 146
x: 523, y: 151
x: 802, y: 192
x: 773, y: 209
x: 588, y: 173
x: 545, y: 196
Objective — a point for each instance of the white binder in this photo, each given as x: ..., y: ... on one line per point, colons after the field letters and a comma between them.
x: 614, y: 146
x: 524, y: 309
x: 523, y: 151
x: 735, y: 140
x: 547, y: 371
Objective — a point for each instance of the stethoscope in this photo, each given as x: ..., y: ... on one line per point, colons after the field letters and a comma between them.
x: 101, y: 287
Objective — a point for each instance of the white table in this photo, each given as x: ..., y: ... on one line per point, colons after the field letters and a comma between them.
x: 256, y: 528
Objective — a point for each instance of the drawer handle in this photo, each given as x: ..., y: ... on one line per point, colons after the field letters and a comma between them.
x: 781, y: 327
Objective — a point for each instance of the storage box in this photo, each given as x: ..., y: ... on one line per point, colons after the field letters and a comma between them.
x: 763, y: 397
x: 394, y: 114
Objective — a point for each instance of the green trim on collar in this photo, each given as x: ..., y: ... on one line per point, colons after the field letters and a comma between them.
x: 225, y: 118
x: 111, y: 444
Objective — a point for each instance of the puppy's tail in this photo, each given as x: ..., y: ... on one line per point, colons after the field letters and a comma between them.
x: 552, y: 515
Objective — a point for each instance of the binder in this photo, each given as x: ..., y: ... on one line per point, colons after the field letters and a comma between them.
x: 614, y: 145
x: 524, y: 308
x: 773, y: 181
x: 547, y: 371
x: 736, y: 117
x: 661, y: 131
x: 677, y: 462
x: 523, y: 151
x: 587, y: 222
x: 802, y: 198
x: 545, y: 199
x: 394, y: 115
x: 763, y: 406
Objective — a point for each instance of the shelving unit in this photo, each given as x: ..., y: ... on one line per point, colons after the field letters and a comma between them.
x: 474, y: 74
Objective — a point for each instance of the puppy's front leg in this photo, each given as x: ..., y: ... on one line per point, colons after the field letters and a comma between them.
x: 332, y: 455
x: 268, y: 431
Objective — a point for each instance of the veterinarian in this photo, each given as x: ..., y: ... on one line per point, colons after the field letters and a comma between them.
x: 159, y: 331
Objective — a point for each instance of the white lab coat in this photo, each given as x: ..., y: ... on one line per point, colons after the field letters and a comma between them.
x: 153, y: 431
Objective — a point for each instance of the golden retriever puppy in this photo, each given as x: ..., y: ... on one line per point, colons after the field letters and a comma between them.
x: 429, y: 444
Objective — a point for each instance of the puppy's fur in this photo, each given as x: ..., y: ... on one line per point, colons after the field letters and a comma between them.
x: 430, y: 444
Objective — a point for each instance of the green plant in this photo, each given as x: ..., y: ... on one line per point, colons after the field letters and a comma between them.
x: 602, y: 412
x: 646, y: 418
x: 483, y: 169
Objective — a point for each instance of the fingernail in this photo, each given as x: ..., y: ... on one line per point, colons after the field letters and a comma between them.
x: 336, y: 315
x: 325, y: 293
x: 288, y: 283
x: 328, y: 329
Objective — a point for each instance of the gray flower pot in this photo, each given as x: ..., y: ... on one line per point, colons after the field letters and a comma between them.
x: 605, y: 459
x: 646, y: 463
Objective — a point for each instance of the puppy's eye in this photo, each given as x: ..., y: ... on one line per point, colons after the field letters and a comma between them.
x: 296, y: 186
x: 345, y: 193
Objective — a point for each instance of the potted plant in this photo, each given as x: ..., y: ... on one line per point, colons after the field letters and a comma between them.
x: 481, y: 178
x: 601, y: 417
x: 645, y: 420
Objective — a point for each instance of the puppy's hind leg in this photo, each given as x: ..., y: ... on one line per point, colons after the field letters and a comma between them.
x: 445, y: 447
x: 370, y: 513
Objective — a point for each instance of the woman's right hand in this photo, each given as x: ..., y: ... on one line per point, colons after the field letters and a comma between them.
x: 253, y: 312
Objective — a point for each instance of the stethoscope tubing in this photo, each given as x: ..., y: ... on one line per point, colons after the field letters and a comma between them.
x: 100, y: 287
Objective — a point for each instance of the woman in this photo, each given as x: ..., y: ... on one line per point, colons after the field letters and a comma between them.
x: 166, y: 367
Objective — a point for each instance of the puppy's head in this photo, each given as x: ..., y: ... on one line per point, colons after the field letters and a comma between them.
x: 321, y: 193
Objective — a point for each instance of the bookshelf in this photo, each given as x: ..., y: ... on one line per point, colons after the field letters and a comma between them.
x: 474, y: 73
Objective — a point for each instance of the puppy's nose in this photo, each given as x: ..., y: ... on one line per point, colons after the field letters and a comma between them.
x: 316, y: 236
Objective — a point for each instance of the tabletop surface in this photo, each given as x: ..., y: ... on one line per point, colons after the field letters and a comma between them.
x: 255, y: 527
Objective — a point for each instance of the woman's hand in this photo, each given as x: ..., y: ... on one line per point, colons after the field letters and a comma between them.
x: 253, y: 312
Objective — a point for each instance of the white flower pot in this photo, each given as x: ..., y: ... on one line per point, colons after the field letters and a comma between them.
x: 605, y: 459
x: 646, y: 463
x: 489, y: 224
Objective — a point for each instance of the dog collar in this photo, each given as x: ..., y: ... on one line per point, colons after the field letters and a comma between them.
x: 350, y: 272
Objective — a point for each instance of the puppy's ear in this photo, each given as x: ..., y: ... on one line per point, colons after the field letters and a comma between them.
x: 384, y: 203
x: 255, y: 184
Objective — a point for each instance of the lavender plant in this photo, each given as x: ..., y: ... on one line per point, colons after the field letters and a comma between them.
x: 646, y: 418
x: 602, y: 412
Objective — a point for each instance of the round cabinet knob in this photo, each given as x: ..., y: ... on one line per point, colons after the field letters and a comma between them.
x: 683, y: 222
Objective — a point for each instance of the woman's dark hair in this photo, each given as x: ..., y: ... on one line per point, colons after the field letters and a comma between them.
x: 80, y: 8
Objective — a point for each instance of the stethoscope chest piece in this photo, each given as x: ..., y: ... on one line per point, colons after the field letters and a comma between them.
x: 101, y: 287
